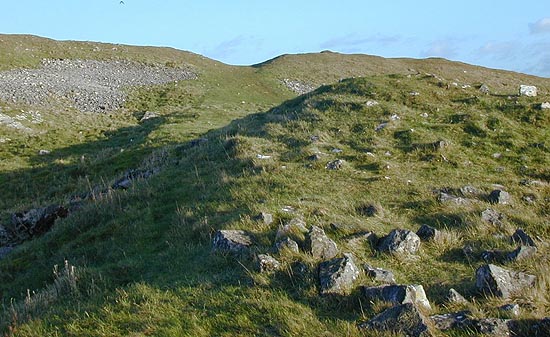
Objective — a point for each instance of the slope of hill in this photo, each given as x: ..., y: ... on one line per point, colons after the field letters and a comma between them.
x: 403, y: 144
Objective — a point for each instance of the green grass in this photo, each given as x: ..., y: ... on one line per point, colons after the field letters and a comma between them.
x: 143, y: 260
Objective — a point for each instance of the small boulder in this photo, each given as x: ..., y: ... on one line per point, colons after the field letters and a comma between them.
x: 522, y: 252
x: 445, y: 197
x: 337, y: 276
x: 452, y: 320
x: 379, y: 274
x: 428, y: 233
x: 484, y: 89
x: 36, y: 221
x: 493, y: 217
x: 400, y: 241
x: 499, y: 197
x: 231, y: 241
x: 501, y: 282
x: 523, y: 238
x: 265, y: 218
x: 469, y: 190
x: 527, y: 90
x: 404, y: 319
x: 495, y: 327
x: 268, y: 264
x: 287, y: 244
x: 148, y: 115
x: 545, y: 105
x: 295, y: 229
x: 320, y: 245
x: 455, y: 297
x: 398, y: 294
x: 335, y: 164
x: 512, y: 310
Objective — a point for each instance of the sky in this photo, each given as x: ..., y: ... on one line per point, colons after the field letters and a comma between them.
x: 505, y: 34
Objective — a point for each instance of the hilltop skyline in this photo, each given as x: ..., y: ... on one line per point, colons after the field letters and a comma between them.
x: 245, y: 32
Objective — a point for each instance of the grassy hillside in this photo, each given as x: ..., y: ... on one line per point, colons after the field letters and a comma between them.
x: 142, y: 258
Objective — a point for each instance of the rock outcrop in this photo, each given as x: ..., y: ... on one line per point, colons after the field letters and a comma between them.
x: 398, y: 294
x: 400, y: 241
x: 231, y: 241
x: 497, y: 281
x: 337, y: 276
x: 405, y: 319
x: 320, y: 245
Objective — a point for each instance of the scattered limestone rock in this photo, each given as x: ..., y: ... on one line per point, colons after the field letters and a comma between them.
x: 380, y: 126
x: 265, y: 218
x: 428, y: 233
x: 527, y: 90
x: 12, y: 123
x: 371, y: 103
x: 335, y: 164
x: 495, y: 327
x: 545, y: 105
x: 501, y: 282
x: 36, y: 221
x: 455, y: 297
x: 510, y: 309
x: 379, y: 274
x: 231, y: 241
x: 521, y: 253
x: 484, y: 89
x: 493, y: 217
x: 294, y: 229
x: 405, y: 319
x: 320, y: 245
x: 469, y: 190
x: 298, y: 87
x: 523, y: 238
x: 400, y: 241
x: 452, y: 320
x: 337, y: 276
x: 149, y: 115
x: 268, y: 264
x: 43, y: 152
x: 398, y: 294
x: 287, y: 244
x: 445, y: 197
x: 499, y: 197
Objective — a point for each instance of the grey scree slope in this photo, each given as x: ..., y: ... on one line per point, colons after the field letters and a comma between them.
x: 86, y: 85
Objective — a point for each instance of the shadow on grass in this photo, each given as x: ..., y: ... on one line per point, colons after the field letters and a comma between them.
x: 57, y: 174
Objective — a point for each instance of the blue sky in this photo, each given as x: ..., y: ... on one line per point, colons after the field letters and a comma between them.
x: 505, y: 34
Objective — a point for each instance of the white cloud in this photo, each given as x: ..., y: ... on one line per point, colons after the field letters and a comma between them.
x: 225, y: 50
x: 540, y: 27
x: 501, y: 50
x: 441, y: 48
